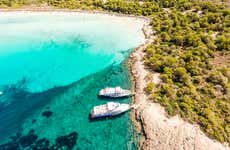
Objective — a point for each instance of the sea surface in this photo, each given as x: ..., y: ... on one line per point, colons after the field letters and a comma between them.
x: 52, y: 66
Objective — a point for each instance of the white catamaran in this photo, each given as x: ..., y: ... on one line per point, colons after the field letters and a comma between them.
x: 114, y: 92
x: 109, y: 109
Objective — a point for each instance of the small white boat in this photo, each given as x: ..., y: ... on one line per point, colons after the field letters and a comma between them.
x: 109, y: 109
x: 114, y: 92
x: 1, y: 93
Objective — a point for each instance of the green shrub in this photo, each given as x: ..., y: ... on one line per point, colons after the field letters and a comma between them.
x: 217, y: 77
x: 150, y: 87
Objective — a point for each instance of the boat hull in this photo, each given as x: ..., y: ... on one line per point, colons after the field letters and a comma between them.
x: 100, y: 116
x: 114, y: 97
x: 105, y: 116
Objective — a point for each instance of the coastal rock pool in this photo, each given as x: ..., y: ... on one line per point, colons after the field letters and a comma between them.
x: 52, y: 66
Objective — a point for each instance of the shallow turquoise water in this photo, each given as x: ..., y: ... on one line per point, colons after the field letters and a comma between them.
x: 58, y: 63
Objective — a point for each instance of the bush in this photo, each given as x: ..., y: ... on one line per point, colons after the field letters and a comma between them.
x: 217, y: 78
x: 150, y: 87
x: 223, y: 42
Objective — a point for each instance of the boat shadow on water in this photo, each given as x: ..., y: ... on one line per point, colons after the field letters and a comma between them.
x: 105, y: 98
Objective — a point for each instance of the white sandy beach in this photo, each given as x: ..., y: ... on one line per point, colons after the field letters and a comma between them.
x: 38, y: 11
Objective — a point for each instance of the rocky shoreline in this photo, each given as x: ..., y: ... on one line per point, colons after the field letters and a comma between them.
x: 160, y: 132
x: 138, y: 74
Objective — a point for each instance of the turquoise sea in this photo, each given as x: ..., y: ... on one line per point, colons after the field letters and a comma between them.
x: 52, y: 66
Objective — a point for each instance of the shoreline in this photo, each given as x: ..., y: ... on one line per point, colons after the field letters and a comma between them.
x: 149, y: 119
x: 71, y: 11
x: 138, y: 74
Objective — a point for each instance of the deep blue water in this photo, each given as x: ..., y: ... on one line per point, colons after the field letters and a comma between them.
x: 56, y: 64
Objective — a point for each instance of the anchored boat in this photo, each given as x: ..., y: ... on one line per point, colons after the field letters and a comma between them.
x: 114, y: 92
x: 1, y: 92
x: 109, y: 109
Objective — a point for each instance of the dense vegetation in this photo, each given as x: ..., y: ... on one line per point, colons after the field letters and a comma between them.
x: 183, y: 53
x: 190, y: 34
